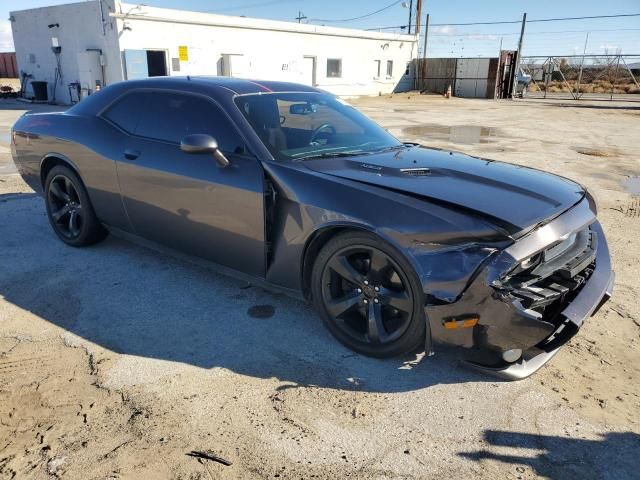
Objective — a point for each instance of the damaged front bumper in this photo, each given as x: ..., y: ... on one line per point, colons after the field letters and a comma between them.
x: 533, y: 314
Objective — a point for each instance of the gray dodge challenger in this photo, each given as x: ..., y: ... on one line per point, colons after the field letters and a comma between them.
x: 398, y: 246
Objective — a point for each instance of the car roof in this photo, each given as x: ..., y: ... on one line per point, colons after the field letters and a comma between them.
x: 238, y: 86
x: 243, y: 86
x: 213, y: 86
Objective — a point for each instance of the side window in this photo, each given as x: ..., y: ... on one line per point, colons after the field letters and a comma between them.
x: 389, y: 68
x: 125, y: 112
x: 172, y: 116
x: 334, y: 67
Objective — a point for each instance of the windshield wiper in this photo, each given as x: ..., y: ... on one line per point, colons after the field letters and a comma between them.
x: 391, y: 148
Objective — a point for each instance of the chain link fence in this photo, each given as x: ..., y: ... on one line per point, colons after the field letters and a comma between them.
x: 597, y: 77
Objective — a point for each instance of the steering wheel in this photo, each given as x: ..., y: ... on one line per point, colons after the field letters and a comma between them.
x: 316, y: 132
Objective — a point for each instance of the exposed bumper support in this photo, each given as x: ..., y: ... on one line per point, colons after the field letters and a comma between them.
x: 519, y: 370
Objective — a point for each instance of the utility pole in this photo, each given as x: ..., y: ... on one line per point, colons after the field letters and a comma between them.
x: 423, y: 72
x: 516, y: 63
x: 417, y: 68
x: 410, y: 12
x: 584, y: 52
x: 300, y: 17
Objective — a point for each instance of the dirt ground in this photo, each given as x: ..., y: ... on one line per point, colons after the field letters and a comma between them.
x: 117, y: 361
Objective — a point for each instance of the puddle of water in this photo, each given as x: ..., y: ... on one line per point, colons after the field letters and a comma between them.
x: 465, y: 134
x: 632, y: 185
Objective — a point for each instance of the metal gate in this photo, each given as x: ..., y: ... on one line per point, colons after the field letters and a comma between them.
x: 597, y: 77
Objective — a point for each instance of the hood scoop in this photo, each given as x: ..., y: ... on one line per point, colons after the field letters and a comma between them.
x: 416, y: 172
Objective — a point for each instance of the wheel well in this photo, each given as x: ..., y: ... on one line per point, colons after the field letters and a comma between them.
x: 48, y: 163
x: 314, y: 245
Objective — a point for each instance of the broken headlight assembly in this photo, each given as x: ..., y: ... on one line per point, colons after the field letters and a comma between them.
x: 527, y: 264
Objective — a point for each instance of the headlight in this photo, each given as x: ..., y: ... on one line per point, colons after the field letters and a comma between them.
x: 527, y: 264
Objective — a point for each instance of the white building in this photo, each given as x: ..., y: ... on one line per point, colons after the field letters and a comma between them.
x: 100, y: 42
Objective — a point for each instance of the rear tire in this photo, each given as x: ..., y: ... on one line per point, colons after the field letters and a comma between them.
x: 368, y: 295
x: 69, y: 209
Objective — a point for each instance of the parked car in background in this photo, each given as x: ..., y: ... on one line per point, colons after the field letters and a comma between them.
x: 524, y: 79
x: 398, y: 246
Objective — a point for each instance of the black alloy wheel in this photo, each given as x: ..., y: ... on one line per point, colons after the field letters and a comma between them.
x: 369, y: 296
x: 69, y: 210
x: 65, y: 207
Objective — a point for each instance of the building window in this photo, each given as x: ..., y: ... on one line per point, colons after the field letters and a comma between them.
x: 334, y: 68
x: 389, y: 68
x: 377, y: 65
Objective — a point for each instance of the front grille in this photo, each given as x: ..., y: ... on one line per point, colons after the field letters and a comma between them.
x: 550, y: 286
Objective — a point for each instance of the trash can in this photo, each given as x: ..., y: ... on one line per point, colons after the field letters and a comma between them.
x: 40, y: 91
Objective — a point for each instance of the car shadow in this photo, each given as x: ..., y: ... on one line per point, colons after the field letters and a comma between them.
x: 613, y: 456
x: 135, y: 301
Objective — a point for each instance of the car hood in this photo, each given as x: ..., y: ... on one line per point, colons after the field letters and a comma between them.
x: 512, y: 197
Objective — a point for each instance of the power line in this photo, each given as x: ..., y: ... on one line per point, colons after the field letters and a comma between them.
x: 504, y: 22
x: 533, y: 33
x: 356, y: 18
x: 586, y: 18
x: 537, y: 20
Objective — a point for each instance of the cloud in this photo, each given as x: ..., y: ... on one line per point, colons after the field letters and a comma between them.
x: 443, y: 30
x: 6, y: 37
x: 482, y: 36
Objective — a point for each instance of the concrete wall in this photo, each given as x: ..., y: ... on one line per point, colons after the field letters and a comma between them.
x: 77, y: 27
x: 269, y: 49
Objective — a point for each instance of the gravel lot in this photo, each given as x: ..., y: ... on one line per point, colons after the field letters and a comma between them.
x: 117, y: 361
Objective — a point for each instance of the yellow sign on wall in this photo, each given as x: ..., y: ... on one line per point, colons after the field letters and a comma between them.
x: 183, y: 53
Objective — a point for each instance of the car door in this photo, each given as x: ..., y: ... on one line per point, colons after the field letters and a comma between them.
x: 187, y: 201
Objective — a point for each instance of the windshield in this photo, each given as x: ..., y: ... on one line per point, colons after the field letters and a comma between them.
x: 297, y: 126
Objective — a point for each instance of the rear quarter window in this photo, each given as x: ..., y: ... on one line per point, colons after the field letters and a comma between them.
x: 126, y: 111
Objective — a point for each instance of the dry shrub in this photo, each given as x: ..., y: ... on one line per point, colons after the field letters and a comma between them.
x: 554, y: 89
x: 630, y: 88
x: 586, y: 89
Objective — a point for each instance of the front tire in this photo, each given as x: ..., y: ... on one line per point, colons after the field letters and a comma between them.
x: 368, y: 295
x: 69, y: 210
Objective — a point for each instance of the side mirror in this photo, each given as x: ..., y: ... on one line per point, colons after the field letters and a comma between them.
x: 202, y: 143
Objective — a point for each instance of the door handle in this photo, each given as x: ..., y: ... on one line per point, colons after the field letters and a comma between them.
x: 131, y: 154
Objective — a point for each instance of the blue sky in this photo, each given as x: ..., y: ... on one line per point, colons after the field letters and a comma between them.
x: 548, y: 38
